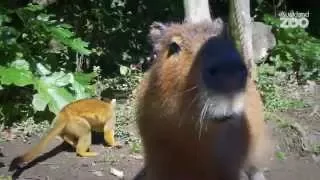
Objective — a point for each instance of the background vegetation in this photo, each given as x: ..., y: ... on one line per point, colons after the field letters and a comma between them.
x: 69, y: 50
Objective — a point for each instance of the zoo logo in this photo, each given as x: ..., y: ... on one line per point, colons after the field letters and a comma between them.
x: 292, y: 22
x: 294, y: 19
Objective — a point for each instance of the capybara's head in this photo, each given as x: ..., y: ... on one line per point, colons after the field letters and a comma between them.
x: 197, y: 66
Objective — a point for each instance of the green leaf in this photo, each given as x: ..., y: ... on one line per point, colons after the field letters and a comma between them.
x: 39, y: 102
x: 60, y: 97
x: 64, y: 80
x: 20, y: 64
x: 80, y: 90
x: 42, y: 69
x: 84, y: 78
x: 124, y: 70
x: 33, y: 7
x: 18, y: 77
x: 54, y: 78
x: 46, y: 18
x: 53, y: 90
x: 66, y: 37
x: 269, y: 19
x: 79, y: 46
x: 57, y: 97
x: 61, y: 33
x: 281, y: 155
x: 66, y: 26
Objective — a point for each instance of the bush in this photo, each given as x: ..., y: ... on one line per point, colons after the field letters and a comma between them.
x: 296, y: 58
x: 296, y: 53
x: 35, y: 50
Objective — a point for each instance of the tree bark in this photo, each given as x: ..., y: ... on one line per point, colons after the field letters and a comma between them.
x: 240, y: 24
x: 196, y: 10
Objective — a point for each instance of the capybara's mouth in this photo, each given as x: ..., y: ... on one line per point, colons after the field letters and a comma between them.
x: 220, y: 106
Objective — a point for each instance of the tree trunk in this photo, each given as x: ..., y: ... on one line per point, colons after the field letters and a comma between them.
x: 196, y: 10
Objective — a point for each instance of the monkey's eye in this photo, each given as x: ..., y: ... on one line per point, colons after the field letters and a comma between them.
x: 173, y: 49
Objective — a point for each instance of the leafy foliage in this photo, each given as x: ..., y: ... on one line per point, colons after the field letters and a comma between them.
x: 297, y: 53
x: 35, y: 52
x: 296, y: 58
x: 271, y: 83
x: 117, y: 29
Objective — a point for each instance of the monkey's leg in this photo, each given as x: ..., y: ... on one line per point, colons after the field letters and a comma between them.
x: 83, y: 145
x: 69, y: 139
x: 109, y: 137
x: 82, y: 130
x: 108, y: 130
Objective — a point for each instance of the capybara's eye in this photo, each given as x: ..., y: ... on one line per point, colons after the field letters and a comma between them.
x: 173, y: 49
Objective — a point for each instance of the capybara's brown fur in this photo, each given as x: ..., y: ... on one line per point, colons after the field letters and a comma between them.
x: 181, y: 134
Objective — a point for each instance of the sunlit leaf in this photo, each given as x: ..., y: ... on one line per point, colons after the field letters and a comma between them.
x: 61, y: 33
x: 34, y: 7
x: 80, y: 90
x: 42, y: 69
x: 18, y: 77
x: 66, y: 37
x: 59, y: 98
x: 20, y: 64
x: 124, y: 70
x: 64, y: 80
x: 40, y: 102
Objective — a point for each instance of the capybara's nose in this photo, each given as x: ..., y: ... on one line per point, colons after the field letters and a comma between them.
x: 223, y: 70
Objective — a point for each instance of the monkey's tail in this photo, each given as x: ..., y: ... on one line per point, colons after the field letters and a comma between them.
x: 19, y: 161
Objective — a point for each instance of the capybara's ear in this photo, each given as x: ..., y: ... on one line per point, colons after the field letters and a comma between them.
x: 222, y: 28
x: 155, y: 33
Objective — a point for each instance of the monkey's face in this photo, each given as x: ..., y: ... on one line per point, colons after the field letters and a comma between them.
x: 202, y: 68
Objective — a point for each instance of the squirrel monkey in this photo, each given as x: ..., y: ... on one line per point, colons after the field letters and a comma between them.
x: 74, y: 124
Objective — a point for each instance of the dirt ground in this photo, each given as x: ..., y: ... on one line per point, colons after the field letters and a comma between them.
x: 297, y: 157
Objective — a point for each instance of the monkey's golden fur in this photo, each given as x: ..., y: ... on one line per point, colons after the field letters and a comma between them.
x: 74, y: 124
x: 167, y: 105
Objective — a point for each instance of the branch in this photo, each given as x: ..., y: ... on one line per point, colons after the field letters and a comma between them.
x: 241, y: 28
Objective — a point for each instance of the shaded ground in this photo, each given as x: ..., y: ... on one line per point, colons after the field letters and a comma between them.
x: 297, y: 135
x: 297, y: 152
x: 66, y: 165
